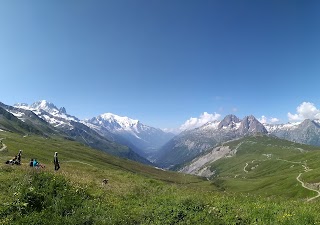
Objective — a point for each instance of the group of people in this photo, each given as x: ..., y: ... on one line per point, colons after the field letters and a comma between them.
x: 33, y: 162
x: 16, y: 160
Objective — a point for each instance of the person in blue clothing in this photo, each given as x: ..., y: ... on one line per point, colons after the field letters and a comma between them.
x: 36, y: 164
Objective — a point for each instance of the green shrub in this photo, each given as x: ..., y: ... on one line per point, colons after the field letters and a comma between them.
x: 44, y: 197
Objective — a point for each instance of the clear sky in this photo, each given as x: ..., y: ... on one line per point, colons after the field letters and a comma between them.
x: 162, y: 62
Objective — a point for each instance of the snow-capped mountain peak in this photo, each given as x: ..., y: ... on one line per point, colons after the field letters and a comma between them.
x: 129, y: 131
x: 50, y: 113
x: 271, y: 128
x: 123, y: 121
x: 45, y: 106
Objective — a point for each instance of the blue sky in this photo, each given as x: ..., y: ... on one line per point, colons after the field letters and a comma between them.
x: 162, y: 62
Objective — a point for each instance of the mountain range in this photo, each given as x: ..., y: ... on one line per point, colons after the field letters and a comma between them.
x: 142, y: 138
x: 129, y: 138
x: 44, y: 118
x: 192, y: 143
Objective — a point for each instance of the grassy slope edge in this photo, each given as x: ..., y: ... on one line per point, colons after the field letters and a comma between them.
x: 136, y: 194
x: 268, y: 166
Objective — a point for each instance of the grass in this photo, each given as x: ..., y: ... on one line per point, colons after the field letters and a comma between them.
x: 268, y: 176
x: 135, y: 194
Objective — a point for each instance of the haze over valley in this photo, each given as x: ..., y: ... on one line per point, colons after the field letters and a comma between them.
x: 160, y: 112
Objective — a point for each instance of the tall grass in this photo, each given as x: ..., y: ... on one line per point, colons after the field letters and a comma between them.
x: 135, y: 194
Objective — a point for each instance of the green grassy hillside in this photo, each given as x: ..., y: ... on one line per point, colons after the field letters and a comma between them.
x: 268, y: 166
x: 10, y: 123
x: 135, y: 194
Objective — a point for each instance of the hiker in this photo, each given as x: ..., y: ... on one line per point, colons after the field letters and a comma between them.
x: 31, y: 163
x: 36, y: 164
x: 13, y: 161
x: 19, y: 157
x: 56, y: 161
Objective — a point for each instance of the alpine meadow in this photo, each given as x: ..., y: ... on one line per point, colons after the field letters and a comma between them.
x: 160, y: 112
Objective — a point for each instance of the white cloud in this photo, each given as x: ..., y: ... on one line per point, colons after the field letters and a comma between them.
x: 264, y: 120
x: 197, y: 122
x: 294, y: 117
x: 171, y: 130
x: 305, y: 110
x: 274, y: 120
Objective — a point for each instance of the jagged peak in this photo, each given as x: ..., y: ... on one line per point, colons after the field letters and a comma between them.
x: 308, y: 122
x: 229, y: 121
x: 250, y: 124
x: 63, y: 110
x: 251, y: 118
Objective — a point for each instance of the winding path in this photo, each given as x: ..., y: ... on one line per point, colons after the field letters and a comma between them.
x: 303, y: 185
x: 306, y: 169
x: 4, y: 147
x: 289, y: 161
x: 77, y: 162
x: 244, y: 168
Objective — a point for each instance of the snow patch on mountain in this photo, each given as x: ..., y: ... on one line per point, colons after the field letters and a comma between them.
x: 285, y: 127
x: 124, y: 121
x: 211, y: 125
x: 129, y: 131
x: 50, y: 113
x: 19, y: 115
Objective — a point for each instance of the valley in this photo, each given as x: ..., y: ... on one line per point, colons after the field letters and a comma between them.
x: 263, y: 165
x: 142, y: 194
x: 160, y: 112
x: 227, y: 172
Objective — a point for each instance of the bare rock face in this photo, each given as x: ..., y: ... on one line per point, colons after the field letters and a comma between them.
x: 63, y: 110
x: 191, y: 143
x: 229, y: 121
x: 306, y: 132
x: 250, y: 125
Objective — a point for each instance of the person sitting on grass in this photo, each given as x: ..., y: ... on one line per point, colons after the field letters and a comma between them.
x: 13, y: 161
x: 36, y: 164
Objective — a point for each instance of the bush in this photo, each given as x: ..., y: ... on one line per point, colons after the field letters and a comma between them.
x: 44, y: 198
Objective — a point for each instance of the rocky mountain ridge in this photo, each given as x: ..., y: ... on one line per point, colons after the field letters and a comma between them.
x: 164, y: 148
x: 190, y: 144
x: 143, y: 139
x: 44, y: 118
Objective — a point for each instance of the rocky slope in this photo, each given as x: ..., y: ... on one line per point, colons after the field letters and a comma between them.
x: 190, y: 144
x: 142, y: 138
x: 45, y: 118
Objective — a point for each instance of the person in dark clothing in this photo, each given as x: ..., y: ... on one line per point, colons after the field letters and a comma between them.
x: 13, y: 161
x: 31, y: 163
x: 56, y: 161
x: 19, y: 157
